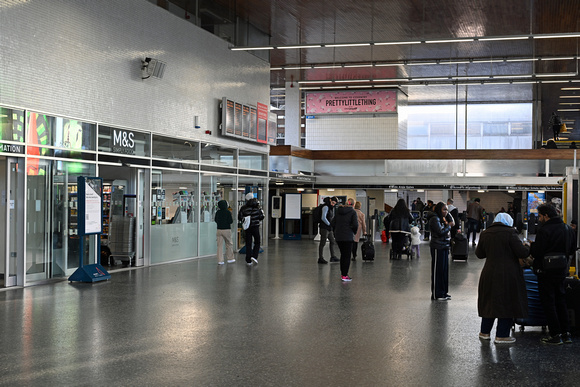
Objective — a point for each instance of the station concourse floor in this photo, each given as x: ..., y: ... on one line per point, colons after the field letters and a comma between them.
x: 287, y: 321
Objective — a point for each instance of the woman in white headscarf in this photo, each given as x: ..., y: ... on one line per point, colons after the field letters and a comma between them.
x: 502, y: 289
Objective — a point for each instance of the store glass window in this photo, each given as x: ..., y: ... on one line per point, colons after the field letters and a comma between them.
x: 214, y: 188
x: 60, y: 132
x: 217, y: 155
x: 11, y: 125
x: 124, y: 141
x: 174, y: 215
x: 175, y: 148
x: 252, y: 160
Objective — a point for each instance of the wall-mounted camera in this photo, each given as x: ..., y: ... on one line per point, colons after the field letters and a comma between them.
x: 152, y: 68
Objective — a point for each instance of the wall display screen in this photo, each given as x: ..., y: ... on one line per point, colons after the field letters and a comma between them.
x: 272, y: 128
x: 246, y: 121
x: 262, y: 123
x: 534, y: 200
x: 253, y: 128
x: 238, y: 119
x: 228, y: 117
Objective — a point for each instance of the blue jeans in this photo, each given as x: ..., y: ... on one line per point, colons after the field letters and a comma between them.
x: 472, y: 226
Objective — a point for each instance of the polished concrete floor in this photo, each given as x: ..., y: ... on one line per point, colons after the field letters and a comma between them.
x: 285, y: 322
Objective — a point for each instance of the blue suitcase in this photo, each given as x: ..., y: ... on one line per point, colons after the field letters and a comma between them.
x: 536, y: 317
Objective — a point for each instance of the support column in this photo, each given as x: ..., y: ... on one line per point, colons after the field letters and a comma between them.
x: 292, y: 114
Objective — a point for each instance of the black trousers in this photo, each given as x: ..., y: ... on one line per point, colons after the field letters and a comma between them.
x: 553, y: 299
x: 354, y: 249
x: 439, y: 272
x: 253, y: 232
x: 345, y: 248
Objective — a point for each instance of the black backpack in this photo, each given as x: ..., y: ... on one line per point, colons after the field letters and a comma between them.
x: 317, y: 213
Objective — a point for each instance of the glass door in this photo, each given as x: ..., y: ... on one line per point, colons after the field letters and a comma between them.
x: 11, y: 213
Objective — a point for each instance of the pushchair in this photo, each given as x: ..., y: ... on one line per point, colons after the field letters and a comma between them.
x: 401, y: 245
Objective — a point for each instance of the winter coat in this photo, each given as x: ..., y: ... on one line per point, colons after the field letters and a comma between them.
x: 415, y: 236
x: 502, y: 289
x: 551, y: 238
x: 329, y: 216
x: 475, y: 211
x: 440, y: 237
x: 362, y: 227
x: 345, y: 224
x: 399, y: 224
x: 223, y: 216
x: 251, y: 208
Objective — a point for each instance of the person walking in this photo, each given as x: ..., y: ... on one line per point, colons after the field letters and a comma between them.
x: 362, y: 229
x: 253, y: 210
x: 502, y: 289
x: 439, y: 244
x: 416, y: 241
x: 345, y: 225
x: 326, y: 231
x: 400, y: 225
x: 474, y: 218
x: 553, y: 236
x: 223, y: 218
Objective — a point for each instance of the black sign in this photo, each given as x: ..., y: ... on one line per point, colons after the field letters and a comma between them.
x: 11, y: 148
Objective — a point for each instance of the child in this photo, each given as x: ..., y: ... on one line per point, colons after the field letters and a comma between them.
x: 415, y: 241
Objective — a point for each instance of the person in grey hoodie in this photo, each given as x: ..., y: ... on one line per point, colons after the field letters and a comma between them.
x: 224, y: 220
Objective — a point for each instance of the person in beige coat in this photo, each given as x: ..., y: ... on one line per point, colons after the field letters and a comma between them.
x: 362, y: 229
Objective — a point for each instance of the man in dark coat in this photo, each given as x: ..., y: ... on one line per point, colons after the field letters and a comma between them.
x: 554, y: 236
x: 253, y: 210
x: 345, y: 226
x: 502, y: 289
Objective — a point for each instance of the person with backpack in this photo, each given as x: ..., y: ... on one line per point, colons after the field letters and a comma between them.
x: 326, y: 213
x: 345, y: 223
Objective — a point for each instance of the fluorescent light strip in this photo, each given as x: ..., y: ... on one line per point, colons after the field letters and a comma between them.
x: 459, y: 40
x: 557, y: 81
x: 397, y: 43
x: 570, y: 96
x: 347, y: 44
x: 570, y: 103
x: 300, y: 46
x: 557, y: 36
x: 352, y: 80
x: 570, y: 88
x: 569, y: 110
x: 320, y: 81
x: 570, y: 74
x: 248, y: 48
x: 492, y: 38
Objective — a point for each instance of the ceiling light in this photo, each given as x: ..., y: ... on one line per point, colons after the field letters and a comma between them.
x: 569, y: 103
x: 556, y: 36
x: 480, y: 190
x: 570, y: 88
x: 347, y: 44
x: 300, y: 46
x: 279, y: 183
x: 352, y: 80
x: 247, y: 48
x: 420, y: 190
x: 319, y: 81
x: 330, y: 189
x: 300, y: 189
x: 397, y: 43
x: 570, y: 74
x: 493, y: 38
x: 460, y: 40
x: 394, y: 190
x: 511, y: 191
x: 569, y: 110
x: 569, y: 96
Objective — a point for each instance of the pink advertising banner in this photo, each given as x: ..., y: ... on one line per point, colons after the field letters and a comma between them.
x: 381, y: 101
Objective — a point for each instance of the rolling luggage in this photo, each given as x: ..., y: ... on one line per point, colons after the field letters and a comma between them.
x: 459, y: 247
x: 536, y: 315
x: 368, y: 249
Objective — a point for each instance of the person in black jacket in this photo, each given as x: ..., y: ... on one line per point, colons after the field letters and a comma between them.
x: 326, y: 231
x: 223, y: 218
x: 345, y: 225
x: 440, y: 238
x: 253, y: 210
x: 554, y: 236
x: 400, y: 224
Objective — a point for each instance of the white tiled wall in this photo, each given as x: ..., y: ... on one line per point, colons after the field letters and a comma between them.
x: 81, y: 59
x: 353, y: 132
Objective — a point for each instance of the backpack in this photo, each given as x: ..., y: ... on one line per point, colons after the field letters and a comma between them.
x: 317, y: 213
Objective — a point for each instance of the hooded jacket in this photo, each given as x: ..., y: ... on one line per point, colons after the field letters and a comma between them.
x: 345, y: 224
x: 251, y: 208
x: 551, y: 238
x: 223, y: 217
x: 440, y: 237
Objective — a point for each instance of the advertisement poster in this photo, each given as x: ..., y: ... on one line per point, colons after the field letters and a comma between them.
x: 534, y: 200
x: 329, y: 102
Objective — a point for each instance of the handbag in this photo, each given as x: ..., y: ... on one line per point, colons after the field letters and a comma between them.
x: 246, y: 222
x: 555, y: 262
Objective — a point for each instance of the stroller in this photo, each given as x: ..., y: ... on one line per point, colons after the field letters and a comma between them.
x: 401, y: 245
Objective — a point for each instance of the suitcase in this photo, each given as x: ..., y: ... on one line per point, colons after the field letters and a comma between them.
x: 536, y: 315
x: 459, y: 247
x: 368, y: 249
x: 572, y: 287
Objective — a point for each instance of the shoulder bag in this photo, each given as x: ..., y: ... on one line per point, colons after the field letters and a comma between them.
x: 556, y: 262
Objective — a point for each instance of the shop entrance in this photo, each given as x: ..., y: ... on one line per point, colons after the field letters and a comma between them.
x: 125, y: 190
x: 11, y: 221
